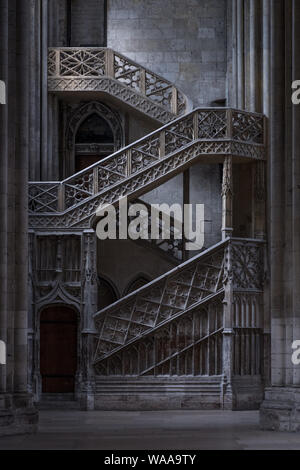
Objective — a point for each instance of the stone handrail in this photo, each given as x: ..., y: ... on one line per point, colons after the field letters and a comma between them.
x: 181, y: 290
x: 88, y: 68
x: 212, y: 133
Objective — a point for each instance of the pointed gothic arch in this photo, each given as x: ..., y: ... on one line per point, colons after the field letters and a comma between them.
x: 111, y: 123
x: 140, y: 280
x: 107, y: 292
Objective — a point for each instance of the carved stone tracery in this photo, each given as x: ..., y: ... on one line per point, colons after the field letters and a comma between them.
x: 137, y: 168
x: 76, y: 116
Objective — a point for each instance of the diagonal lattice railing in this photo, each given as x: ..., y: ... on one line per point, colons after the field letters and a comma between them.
x: 102, y: 69
x: 193, y: 291
x: 189, y: 345
x: 207, y: 134
x: 162, y: 300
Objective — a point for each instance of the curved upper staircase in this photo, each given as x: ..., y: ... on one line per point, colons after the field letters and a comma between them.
x: 94, y: 69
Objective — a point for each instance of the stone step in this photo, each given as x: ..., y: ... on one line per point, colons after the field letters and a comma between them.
x: 58, y: 401
x: 58, y: 405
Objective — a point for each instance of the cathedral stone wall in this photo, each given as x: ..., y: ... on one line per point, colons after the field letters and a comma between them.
x: 91, y: 31
x: 185, y: 42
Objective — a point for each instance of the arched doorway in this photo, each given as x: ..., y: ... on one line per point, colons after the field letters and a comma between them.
x: 94, y: 141
x: 58, y: 349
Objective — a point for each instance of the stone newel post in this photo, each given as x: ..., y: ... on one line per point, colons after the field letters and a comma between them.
x: 227, y: 195
x: 89, y: 298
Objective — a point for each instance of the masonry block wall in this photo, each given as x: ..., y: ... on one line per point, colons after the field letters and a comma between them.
x: 183, y: 41
x: 91, y: 31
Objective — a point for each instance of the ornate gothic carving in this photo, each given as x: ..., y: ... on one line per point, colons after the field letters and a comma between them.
x: 248, y: 329
x: 55, y: 294
x: 100, y: 69
x: 89, y: 281
x: 247, y: 266
x: 83, y: 111
x: 159, y: 302
x: 227, y: 178
x: 127, y: 326
x: 139, y: 167
x: 74, y: 117
x: 248, y: 127
x: 183, y: 347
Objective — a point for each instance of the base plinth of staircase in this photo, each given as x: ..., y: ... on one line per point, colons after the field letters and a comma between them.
x: 143, y: 393
x: 280, y: 410
x: 58, y: 401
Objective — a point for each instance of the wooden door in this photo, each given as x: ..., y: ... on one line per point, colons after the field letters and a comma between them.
x: 84, y: 161
x: 58, y: 349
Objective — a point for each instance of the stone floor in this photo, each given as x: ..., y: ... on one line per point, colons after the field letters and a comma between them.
x: 165, y: 430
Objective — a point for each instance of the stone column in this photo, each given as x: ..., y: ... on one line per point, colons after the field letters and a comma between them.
x: 89, y: 307
x: 245, y: 41
x: 21, y: 213
x: 254, y: 100
x: 44, y: 90
x: 240, y: 54
x: 34, y: 90
x: 266, y: 56
x: 227, y: 355
x: 295, y: 185
x: 277, y: 196
x: 227, y: 194
x: 3, y: 186
x: 280, y: 409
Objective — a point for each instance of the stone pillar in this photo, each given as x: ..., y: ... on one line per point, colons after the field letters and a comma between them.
x: 266, y: 56
x: 89, y: 307
x: 227, y: 355
x: 44, y: 90
x: 240, y: 53
x: 280, y: 409
x: 255, y: 83
x: 3, y: 186
x: 245, y: 40
x: 14, y: 148
x: 296, y: 191
x: 21, y: 178
x: 53, y: 108
x: 227, y: 194
x: 34, y: 90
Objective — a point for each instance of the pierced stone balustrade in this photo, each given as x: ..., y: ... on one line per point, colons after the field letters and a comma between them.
x: 204, y: 135
x: 208, y: 311
x: 101, y: 69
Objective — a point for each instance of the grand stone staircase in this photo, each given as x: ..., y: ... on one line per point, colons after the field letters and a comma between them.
x: 202, y: 320
x: 195, y: 336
